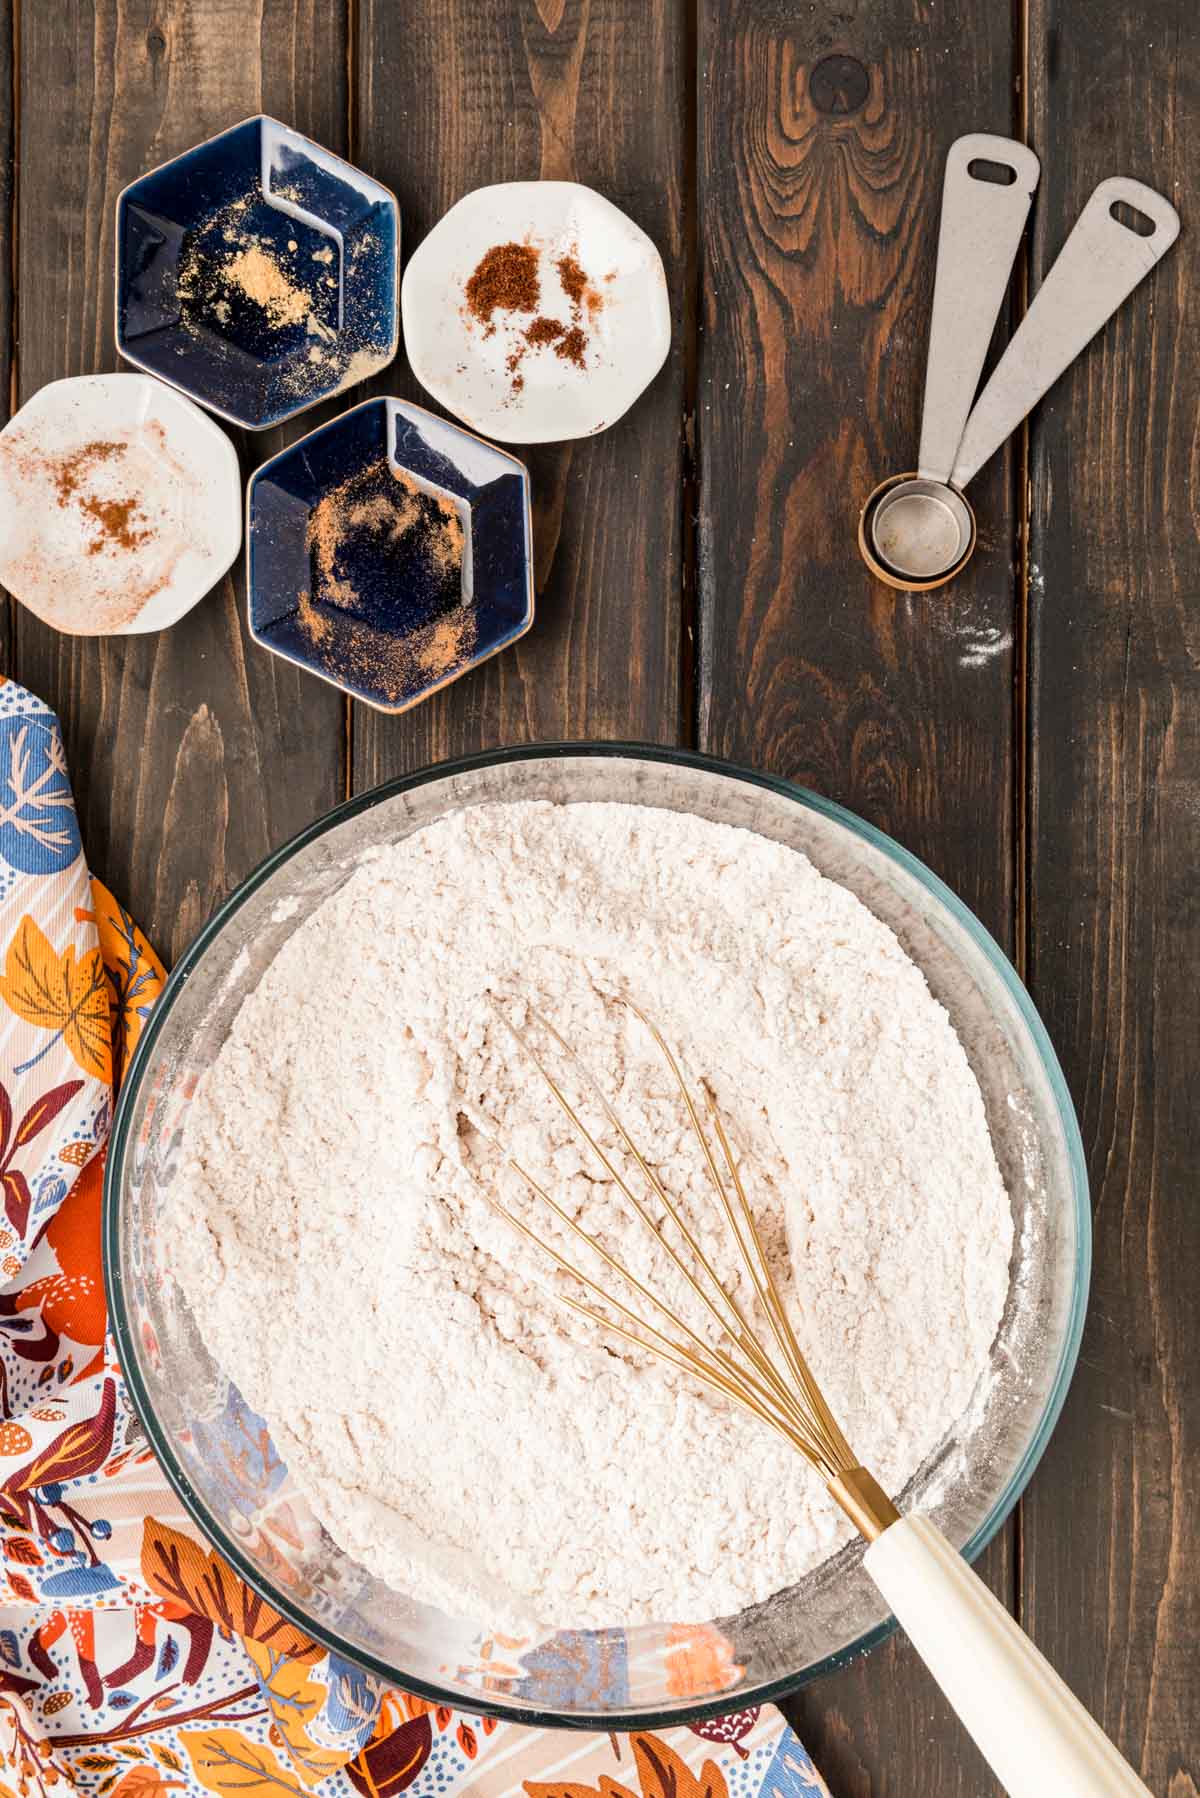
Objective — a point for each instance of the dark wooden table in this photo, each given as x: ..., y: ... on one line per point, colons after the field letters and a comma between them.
x: 1032, y: 732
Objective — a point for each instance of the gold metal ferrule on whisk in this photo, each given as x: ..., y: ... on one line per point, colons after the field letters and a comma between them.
x: 865, y: 1502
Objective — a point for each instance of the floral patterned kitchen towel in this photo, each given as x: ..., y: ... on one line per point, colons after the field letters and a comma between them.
x: 133, y: 1661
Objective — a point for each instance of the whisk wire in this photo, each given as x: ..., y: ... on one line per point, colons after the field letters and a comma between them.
x: 742, y: 1336
x: 661, y: 1345
x: 790, y: 1403
x: 770, y: 1403
x: 842, y: 1457
x: 830, y: 1450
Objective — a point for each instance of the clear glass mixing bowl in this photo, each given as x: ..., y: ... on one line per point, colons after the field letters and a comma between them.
x: 240, y: 1496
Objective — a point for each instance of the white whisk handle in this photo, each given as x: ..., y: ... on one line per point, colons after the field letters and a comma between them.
x: 1034, y: 1733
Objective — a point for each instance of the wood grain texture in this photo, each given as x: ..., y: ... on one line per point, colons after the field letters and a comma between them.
x: 588, y: 90
x: 192, y: 752
x: 819, y: 191
x: 1111, y: 1541
x: 798, y: 233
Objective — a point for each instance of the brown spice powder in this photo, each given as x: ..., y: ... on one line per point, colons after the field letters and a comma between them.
x: 395, y: 667
x: 451, y: 640
x: 579, y: 289
x: 504, y: 280
x: 316, y: 628
x: 284, y: 294
x: 114, y: 517
x: 259, y: 276
x: 87, y: 599
x: 573, y: 278
x: 326, y: 529
x: 572, y: 345
x: 387, y: 505
x: 543, y: 330
x: 382, y: 501
x: 68, y: 471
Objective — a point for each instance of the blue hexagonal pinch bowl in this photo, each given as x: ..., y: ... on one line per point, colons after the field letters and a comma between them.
x: 258, y: 273
x: 389, y: 552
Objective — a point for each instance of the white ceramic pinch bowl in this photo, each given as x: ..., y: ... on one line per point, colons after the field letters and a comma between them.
x: 486, y: 370
x: 120, y: 505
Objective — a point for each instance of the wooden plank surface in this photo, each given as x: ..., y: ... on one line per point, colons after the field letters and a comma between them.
x: 822, y: 142
x: 787, y: 161
x: 1111, y: 1539
x: 586, y: 90
x: 192, y: 753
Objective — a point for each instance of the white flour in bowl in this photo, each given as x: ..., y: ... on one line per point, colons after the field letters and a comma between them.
x: 464, y: 1437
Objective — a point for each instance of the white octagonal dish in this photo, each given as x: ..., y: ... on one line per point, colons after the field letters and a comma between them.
x: 120, y: 505
x: 486, y: 371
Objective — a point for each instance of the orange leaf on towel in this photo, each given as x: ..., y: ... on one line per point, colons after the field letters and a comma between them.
x: 175, y: 1566
x: 60, y: 993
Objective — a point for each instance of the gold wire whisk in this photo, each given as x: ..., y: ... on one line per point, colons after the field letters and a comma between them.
x: 769, y: 1378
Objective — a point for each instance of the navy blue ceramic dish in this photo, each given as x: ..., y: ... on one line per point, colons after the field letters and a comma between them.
x: 258, y: 273
x: 389, y: 552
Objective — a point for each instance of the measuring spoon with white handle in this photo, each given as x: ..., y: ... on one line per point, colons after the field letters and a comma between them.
x: 1098, y: 267
x: 982, y: 222
x: 986, y: 193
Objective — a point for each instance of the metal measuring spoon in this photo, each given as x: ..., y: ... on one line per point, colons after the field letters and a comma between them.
x: 918, y: 526
x: 917, y: 532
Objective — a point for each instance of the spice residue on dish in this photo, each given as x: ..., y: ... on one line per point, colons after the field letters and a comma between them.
x: 509, y: 283
x: 115, y: 521
x: 385, y: 604
x: 106, y: 524
x: 251, y: 275
x: 405, y: 530
x: 355, y: 650
x: 504, y: 280
x: 259, y: 276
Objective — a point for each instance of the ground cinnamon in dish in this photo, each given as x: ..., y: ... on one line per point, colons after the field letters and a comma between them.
x: 505, y: 280
x: 451, y: 640
x: 541, y: 332
x: 316, y: 628
x: 69, y: 469
x: 385, y: 507
x: 580, y: 291
x: 120, y: 536
x: 571, y: 346
x: 325, y: 531
x: 414, y: 622
x: 575, y: 282
x: 237, y: 281
x: 115, y: 518
x: 394, y: 667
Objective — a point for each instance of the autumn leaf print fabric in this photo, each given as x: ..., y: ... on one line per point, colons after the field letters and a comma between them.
x: 133, y: 1661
